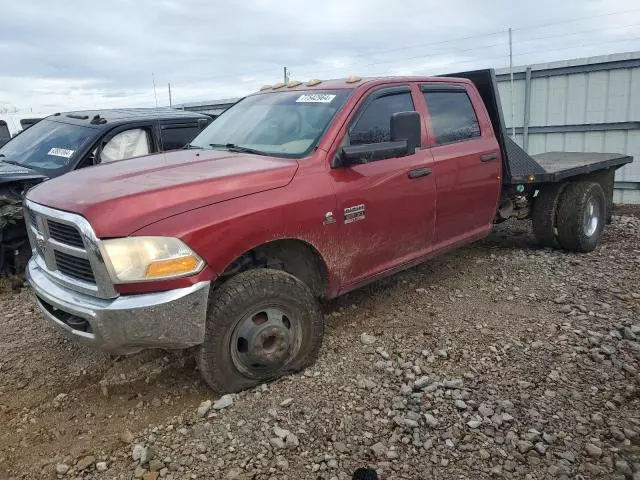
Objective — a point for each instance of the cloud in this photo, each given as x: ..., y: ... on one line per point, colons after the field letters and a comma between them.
x: 70, y: 54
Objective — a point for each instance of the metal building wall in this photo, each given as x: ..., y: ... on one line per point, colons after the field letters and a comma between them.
x: 582, y: 105
x: 211, y: 107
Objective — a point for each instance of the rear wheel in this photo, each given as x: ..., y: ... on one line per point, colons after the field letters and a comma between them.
x: 261, y: 324
x: 543, y: 216
x: 581, y: 216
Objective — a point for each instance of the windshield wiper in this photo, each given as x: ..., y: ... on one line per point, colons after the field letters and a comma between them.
x: 232, y: 147
x: 188, y: 146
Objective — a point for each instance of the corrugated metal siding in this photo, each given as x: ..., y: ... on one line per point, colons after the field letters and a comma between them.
x: 211, y: 107
x: 570, y: 93
x: 505, y: 98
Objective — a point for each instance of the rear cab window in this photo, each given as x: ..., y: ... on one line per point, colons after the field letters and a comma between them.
x: 453, y: 117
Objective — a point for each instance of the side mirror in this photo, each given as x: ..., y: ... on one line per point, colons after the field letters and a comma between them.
x: 406, y: 126
x: 369, y: 152
x: 406, y: 133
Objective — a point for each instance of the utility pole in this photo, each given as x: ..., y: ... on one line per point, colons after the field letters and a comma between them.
x: 286, y: 75
x: 170, y: 101
x: 513, y: 109
x: 155, y: 94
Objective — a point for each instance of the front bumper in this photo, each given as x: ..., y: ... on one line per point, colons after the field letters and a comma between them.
x: 171, y: 319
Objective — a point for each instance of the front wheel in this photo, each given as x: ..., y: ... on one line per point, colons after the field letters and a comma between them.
x: 581, y: 216
x: 261, y: 324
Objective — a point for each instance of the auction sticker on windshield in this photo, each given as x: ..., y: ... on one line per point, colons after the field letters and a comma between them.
x: 61, y: 152
x: 315, y: 98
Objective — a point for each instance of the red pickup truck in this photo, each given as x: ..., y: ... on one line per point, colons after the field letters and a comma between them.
x: 297, y: 193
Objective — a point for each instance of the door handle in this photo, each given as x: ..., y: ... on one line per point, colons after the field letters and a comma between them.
x: 489, y: 157
x: 419, y: 172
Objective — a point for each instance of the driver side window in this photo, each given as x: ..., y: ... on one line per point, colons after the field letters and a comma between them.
x: 128, y: 144
x: 373, y: 125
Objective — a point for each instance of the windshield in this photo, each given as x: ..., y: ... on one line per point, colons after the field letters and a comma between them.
x: 284, y: 124
x: 47, y: 145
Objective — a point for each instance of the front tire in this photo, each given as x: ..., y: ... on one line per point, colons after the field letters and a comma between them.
x: 261, y: 324
x: 581, y: 216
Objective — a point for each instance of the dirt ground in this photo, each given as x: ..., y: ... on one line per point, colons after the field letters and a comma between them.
x: 499, y: 360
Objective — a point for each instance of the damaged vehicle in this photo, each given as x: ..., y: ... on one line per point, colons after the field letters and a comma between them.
x: 297, y: 193
x: 70, y: 141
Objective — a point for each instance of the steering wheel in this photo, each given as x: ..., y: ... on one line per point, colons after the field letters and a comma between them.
x: 295, y: 128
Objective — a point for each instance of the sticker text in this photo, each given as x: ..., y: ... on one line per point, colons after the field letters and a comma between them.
x: 315, y: 98
x: 61, y: 152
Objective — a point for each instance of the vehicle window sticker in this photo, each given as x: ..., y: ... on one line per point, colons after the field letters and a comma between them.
x: 61, y: 152
x: 315, y: 98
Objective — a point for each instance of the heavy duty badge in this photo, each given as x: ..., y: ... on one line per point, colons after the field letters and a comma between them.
x: 353, y: 214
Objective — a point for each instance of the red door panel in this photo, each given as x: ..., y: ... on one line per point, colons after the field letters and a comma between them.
x: 467, y: 188
x: 467, y: 163
x: 385, y: 208
x: 398, y: 218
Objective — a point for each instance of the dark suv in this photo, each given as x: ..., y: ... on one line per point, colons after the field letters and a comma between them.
x: 68, y: 141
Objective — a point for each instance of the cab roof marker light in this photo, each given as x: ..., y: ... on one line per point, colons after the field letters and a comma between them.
x: 278, y: 85
x: 294, y: 83
x: 314, y: 82
x: 353, y: 79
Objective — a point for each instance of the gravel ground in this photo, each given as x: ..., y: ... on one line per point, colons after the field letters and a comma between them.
x: 499, y: 360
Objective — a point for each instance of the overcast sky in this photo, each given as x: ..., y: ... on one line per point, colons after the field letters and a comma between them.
x: 70, y: 54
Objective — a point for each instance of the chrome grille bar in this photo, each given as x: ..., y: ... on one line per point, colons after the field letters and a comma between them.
x: 66, y: 247
x: 65, y: 234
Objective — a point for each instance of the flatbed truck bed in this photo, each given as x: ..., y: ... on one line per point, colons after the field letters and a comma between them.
x: 559, y: 166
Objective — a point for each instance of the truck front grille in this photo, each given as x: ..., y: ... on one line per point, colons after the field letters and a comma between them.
x: 75, y: 267
x: 63, y: 233
x: 66, y: 248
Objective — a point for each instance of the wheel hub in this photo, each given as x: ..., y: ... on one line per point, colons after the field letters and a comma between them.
x: 269, y: 345
x: 591, y: 218
x: 264, y: 341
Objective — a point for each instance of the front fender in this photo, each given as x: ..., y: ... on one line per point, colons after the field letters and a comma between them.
x: 223, y: 232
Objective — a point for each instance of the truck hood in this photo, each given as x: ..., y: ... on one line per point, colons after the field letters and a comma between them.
x: 122, y: 197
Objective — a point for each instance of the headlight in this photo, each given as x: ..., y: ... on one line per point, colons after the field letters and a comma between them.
x: 136, y: 259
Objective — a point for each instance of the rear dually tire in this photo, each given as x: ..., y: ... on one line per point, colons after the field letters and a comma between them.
x: 582, y: 213
x: 544, y: 214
